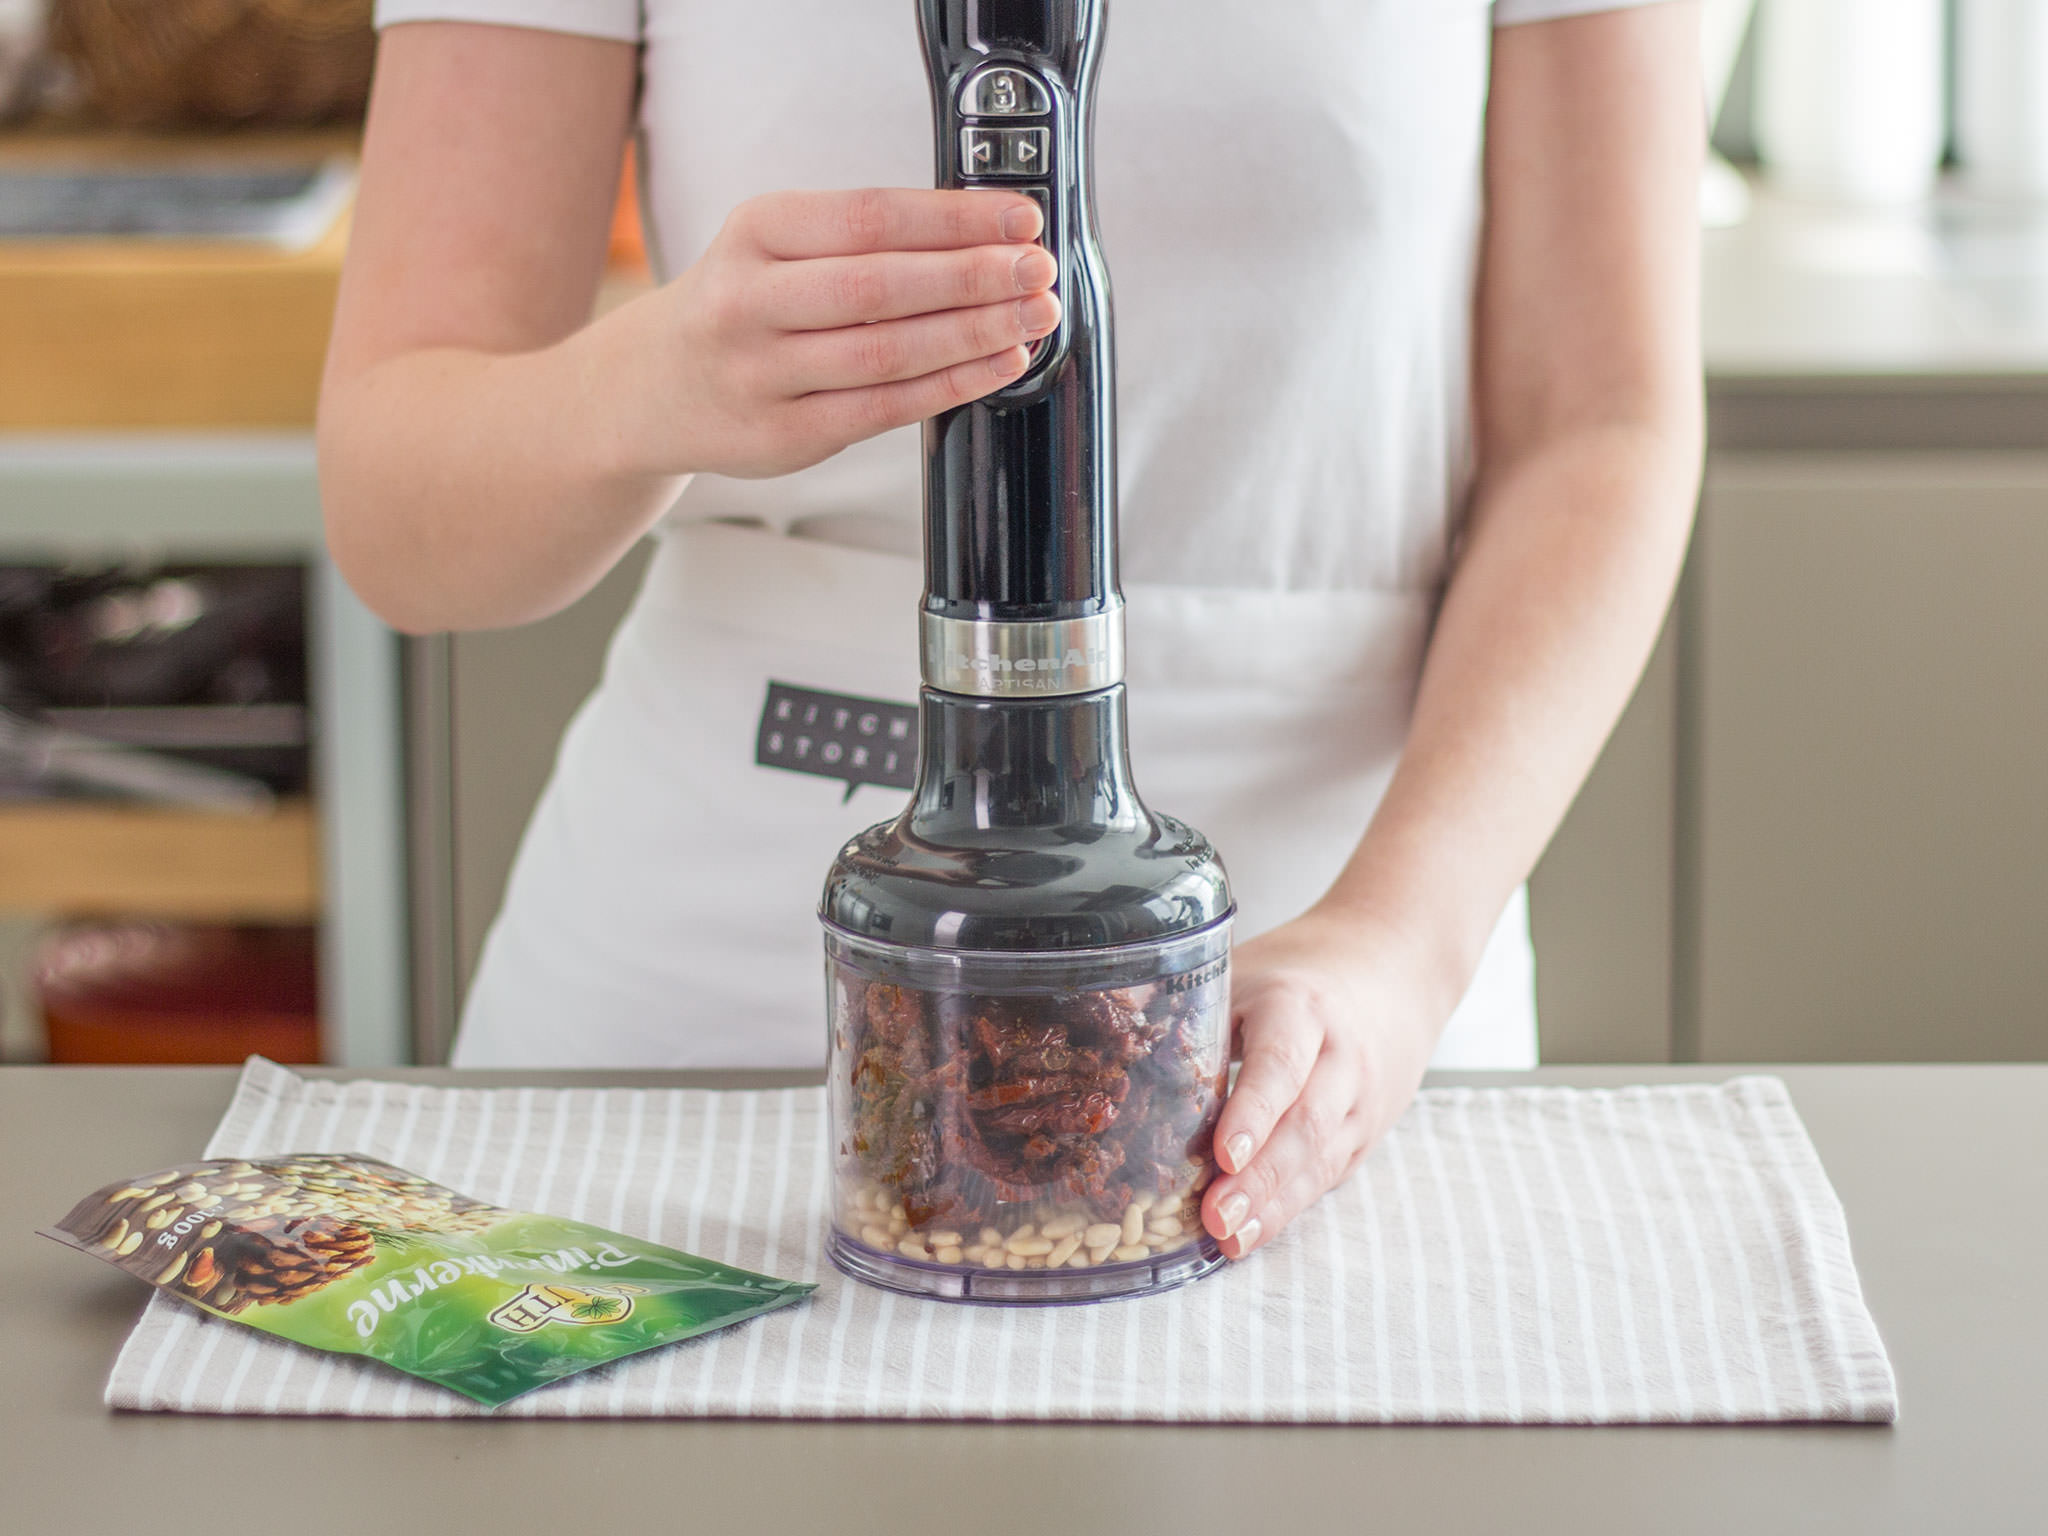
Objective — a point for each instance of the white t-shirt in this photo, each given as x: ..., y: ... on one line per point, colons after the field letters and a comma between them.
x: 1289, y: 201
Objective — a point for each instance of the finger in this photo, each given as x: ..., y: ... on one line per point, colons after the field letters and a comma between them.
x: 854, y: 415
x: 835, y: 291
x: 897, y: 350
x: 1282, y: 1040
x: 797, y: 226
x: 1315, y: 1144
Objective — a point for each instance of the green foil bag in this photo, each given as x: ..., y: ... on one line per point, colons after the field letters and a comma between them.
x: 349, y: 1254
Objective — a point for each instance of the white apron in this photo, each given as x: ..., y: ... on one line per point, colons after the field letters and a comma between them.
x: 662, y: 910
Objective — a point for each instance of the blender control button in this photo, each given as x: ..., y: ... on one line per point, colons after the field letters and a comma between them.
x: 1005, y: 151
x: 1002, y: 90
x: 1041, y: 195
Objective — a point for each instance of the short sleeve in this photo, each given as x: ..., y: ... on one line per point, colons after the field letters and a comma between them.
x: 1512, y: 13
x: 615, y: 19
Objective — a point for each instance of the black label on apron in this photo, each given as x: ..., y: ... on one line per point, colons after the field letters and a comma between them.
x: 837, y: 736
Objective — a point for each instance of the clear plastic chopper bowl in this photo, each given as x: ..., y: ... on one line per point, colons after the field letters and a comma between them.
x: 1026, y: 1127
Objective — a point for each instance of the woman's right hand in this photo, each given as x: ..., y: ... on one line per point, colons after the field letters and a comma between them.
x: 818, y: 319
x: 488, y: 451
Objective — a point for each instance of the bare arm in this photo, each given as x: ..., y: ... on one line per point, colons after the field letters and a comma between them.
x: 486, y: 455
x: 461, y: 466
x: 1590, y: 426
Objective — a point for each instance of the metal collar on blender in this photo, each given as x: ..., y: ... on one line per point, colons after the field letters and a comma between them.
x: 1034, y: 659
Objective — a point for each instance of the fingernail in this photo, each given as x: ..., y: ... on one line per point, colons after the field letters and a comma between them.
x: 1034, y: 270
x: 1239, y: 1148
x: 1020, y: 223
x: 1247, y: 1235
x: 1233, y: 1210
x: 1009, y: 362
x: 1038, y: 314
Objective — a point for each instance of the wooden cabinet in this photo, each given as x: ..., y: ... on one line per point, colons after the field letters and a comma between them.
x: 1867, y: 750
x: 118, y: 335
x: 85, y: 859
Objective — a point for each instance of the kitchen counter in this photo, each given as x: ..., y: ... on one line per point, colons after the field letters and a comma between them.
x: 1943, y: 1171
x: 1923, y: 327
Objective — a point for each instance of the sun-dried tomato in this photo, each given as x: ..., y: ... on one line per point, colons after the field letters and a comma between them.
x: 962, y: 1104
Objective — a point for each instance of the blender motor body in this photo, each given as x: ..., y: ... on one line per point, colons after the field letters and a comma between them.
x: 1027, y: 971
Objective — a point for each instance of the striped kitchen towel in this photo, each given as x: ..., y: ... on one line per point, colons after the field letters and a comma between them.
x: 1664, y: 1254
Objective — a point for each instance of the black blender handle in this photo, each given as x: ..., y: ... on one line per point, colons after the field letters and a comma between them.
x: 1012, y: 88
x: 1021, y: 484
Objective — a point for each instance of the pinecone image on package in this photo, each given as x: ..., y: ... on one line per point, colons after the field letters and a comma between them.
x: 348, y: 1254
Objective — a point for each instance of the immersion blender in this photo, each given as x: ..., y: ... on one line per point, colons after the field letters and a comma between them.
x: 1027, y: 970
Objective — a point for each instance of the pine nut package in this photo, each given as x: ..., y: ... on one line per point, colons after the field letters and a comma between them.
x: 351, y: 1255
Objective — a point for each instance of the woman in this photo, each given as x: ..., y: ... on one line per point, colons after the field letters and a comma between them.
x: 1410, y: 439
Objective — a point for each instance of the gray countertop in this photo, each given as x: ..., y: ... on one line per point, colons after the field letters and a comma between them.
x: 1943, y: 1170
x: 1917, y: 329
x: 1956, y: 287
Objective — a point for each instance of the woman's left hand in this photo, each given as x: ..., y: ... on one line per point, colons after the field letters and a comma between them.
x: 1335, y: 1026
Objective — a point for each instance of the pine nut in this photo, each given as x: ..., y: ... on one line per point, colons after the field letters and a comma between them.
x: 1100, y: 1252
x: 898, y: 1213
x: 1063, y: 1250
x: 912, y: 1248
x: 950, y: 1254
x: 1132, y: 1251
x: 1104, y: 1234
x: 1165, y: 1226
x: 994, y: 1258
x: 1029, y: 1247
x: 1015, y: 1261
x: 876, y: 1237
x: 1144, y: 1202
x: 134, y: 1241
x: 117, y: 1234
x: 1079, y: 1259
x: 1061, y: 1226
x: 991, y: 1238
x: 1134, y: 1225
x: 1027, y: 1232
x: 943, y: 1239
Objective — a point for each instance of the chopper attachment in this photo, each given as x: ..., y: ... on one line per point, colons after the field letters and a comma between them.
x: 1028, y: 970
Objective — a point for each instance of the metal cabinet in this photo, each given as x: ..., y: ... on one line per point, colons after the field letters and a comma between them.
x: 230, y: 497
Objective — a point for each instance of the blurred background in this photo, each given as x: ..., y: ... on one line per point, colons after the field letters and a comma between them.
x: 238, y: 814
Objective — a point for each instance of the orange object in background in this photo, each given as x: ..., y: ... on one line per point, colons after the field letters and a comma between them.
x: 629, y: 239
x: 179, y: 993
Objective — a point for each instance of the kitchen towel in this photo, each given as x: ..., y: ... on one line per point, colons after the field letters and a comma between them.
x: 1669, y: 1254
